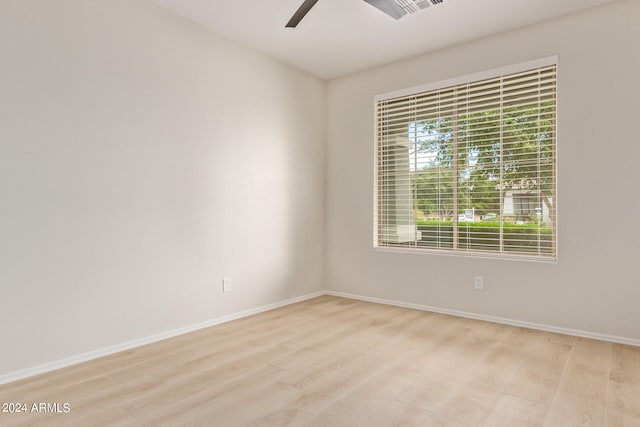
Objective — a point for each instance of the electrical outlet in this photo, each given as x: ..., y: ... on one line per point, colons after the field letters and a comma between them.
x: 226, y: 284
x: 478, y: 282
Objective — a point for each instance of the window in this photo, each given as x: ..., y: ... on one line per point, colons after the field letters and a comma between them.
x: 469, y: 165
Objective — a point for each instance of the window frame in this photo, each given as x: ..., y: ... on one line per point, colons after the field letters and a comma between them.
x: 456, y: 81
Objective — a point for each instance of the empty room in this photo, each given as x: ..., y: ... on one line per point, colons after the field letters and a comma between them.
x: 319, y: 213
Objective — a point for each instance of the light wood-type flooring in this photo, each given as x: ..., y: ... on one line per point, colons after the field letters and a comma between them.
x: 338, y: 362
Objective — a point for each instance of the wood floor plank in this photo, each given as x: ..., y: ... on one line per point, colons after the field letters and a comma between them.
x: 623, y: 399
x: 581, y: 396
x: 183, y: 396
x: 363, y: 406
x: 512, y: 411
x: 179, y: 405
x: 325, y: 391
x: 442, y: 372
x: 283, y: 416
x: 28, y: 389
x: 247, y: 409
x: 484, y: 383
x: 89, y: 416
x: 333, y: 361
x: 470, y: 404
x: 505, y: 359
x: 539, y: 375
x: 394, y: 413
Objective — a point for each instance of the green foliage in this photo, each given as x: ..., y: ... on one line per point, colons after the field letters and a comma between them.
x: 485, y: 236
x: 492, y: 224
x: 514, y: 148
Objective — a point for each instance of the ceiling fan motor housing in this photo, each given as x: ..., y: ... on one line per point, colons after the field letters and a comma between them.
x: 394, y: 8
x: 415, y: 6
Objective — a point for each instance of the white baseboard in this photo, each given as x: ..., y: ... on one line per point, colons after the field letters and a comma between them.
x: 512, y: 322
x: 73, y: 360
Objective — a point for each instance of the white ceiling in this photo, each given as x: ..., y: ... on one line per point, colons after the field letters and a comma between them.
x: 339, y: 37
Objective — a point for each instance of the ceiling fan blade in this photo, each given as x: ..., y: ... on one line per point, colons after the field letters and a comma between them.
x: 300, y: 13
x: 389, y: 7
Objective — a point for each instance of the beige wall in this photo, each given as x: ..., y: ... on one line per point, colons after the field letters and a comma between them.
x: 143, y: 159
x: 594, y: 286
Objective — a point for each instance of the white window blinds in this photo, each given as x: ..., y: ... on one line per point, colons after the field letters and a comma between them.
x: 469, y: 167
